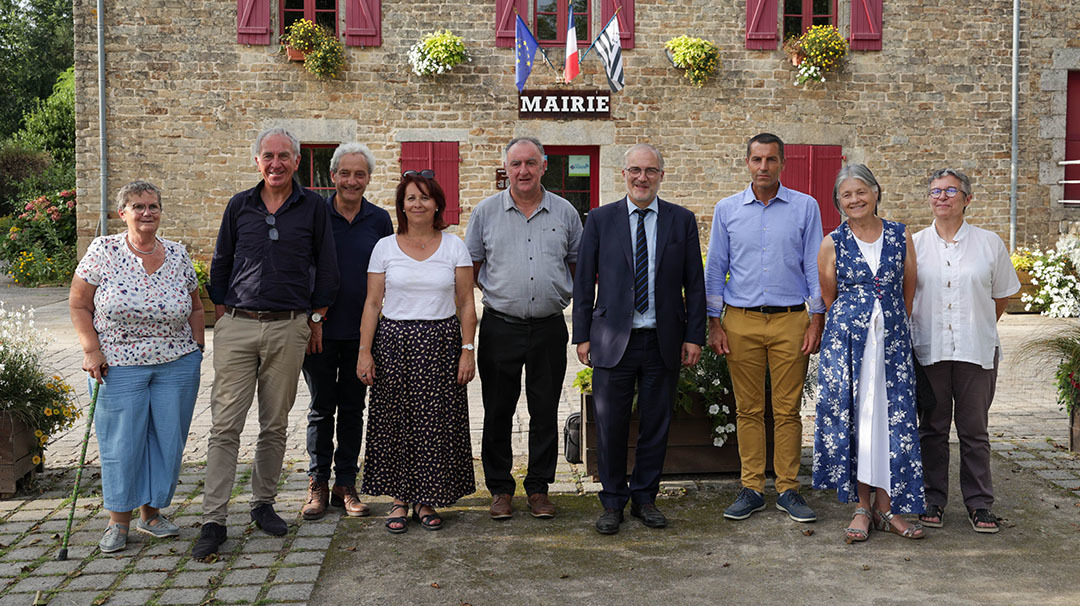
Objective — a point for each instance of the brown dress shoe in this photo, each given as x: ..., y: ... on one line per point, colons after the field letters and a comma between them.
x: 501, y: 507
x: 541, y: 505
x: 318, y: 496
x: 345, y: 496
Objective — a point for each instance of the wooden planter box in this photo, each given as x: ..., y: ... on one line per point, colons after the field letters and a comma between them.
x: 690, y: 448
x: 1016, y: 306
x: 17, y: 445
x: 208, y: 307
x: 1074, y: 429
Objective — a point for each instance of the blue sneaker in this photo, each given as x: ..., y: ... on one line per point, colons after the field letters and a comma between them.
x: 792, y: 502
x: 748, y: 502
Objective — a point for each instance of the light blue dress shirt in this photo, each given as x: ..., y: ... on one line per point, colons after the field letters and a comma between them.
x: 647, y: 319
x: 769, y: 250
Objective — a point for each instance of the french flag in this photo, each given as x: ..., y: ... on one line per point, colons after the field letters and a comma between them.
x: 571, y: 70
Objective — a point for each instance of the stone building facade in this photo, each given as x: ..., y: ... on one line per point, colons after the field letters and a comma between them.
x: 185, y: 99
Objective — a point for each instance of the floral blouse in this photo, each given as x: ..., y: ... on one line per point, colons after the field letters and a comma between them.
x: 141, y: 319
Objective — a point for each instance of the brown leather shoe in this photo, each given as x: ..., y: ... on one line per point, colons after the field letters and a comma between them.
x: 345, y: 496
x: 318, y: 496
x: 541, y: 505
x: 501, y: 507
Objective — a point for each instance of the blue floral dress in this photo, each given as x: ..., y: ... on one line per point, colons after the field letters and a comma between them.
x: 843, y: 350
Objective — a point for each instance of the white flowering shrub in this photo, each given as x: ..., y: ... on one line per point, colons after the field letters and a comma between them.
x: 437, y: 53
x: 1055, y: 273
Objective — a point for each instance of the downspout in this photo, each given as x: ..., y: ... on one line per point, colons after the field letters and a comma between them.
x: 1015, y: 124
x: 104, y: 166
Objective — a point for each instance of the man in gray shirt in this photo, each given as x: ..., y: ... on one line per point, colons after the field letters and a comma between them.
x: 524, y: 244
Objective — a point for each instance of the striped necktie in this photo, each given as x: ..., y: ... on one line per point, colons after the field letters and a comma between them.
x: 641, y: 264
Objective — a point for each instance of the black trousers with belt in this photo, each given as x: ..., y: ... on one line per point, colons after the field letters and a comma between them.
x: 507, y: 344
x: 331, y: 379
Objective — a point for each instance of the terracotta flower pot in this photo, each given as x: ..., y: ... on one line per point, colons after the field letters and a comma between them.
x: 295, y: 55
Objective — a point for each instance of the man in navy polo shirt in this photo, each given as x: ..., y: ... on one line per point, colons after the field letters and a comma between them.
x: 330, y: 364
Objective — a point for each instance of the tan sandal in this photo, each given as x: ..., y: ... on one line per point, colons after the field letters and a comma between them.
x: 858, y: 535
x: 883, y: 521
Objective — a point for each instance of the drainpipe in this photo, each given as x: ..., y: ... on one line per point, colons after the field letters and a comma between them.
x: 104, y: 166
x: 1015, y: 123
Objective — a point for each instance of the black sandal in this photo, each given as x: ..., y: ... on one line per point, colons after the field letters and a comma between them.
x: 427, y: 521
x: 983, y: 516
x: 403, y: 520
x: 933, y: 511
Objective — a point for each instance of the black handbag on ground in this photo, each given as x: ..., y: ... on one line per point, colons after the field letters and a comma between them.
x: 572, y: 439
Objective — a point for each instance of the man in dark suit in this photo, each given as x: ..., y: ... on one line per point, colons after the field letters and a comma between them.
x: 634, y: 326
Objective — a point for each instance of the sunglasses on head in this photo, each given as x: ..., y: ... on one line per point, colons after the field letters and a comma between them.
x: 427, y: 173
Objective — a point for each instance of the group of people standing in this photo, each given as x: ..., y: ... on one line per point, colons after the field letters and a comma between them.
x: 326, y: 288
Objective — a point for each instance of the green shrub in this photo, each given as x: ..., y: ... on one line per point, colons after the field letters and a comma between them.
x: 18, y: 163
x: 39, y: 244
x: 50, y: 126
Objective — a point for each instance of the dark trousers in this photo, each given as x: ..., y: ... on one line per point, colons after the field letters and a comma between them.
x: 503, y: 349
x: 331, y: 379
x: 641, y: 367
x: 964, y: 392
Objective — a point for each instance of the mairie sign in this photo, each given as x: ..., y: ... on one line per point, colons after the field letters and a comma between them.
x: 563, y: 104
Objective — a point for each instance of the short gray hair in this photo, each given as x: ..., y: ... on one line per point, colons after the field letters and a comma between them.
x: 965, y: 181
x: 135, y: 188
x: 855, y: 171
x: 352, y: 148
x: 652, y: 148
x: 516, y: 140
x: 269, y: 132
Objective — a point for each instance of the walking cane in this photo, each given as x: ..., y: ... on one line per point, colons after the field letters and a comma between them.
x: 62, y: 556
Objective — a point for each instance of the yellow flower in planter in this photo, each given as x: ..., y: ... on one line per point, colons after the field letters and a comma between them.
x: 698, y: 57
x: 36, y: 460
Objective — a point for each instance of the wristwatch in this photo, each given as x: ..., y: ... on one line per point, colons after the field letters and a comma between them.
x: 317, y: 317
x: 469, y: 346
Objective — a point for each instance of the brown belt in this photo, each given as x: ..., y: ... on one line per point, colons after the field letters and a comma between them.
x: 264, y: 316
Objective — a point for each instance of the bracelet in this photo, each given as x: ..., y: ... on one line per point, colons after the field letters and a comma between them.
x: 202, y: 346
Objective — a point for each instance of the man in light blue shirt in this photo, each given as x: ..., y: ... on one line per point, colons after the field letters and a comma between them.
x: 760, y: 280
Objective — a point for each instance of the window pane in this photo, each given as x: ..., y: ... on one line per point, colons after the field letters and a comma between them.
x: 793, y: 7
x: 547, y: 6
x: 546, y: 27
x: 324, y: 5
x: 552, y: 179
x: 581, y: 6
x: 580, y: 200
x: 297, y: 5
x: 823, y: 7
x: 303, y: 174
x: 327, y: 20
x: 581, y: 27
x: 822, y: 21
x: 792, y: 27
x: 322, y: 157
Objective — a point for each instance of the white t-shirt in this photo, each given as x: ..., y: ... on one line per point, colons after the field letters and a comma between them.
x: 419, y: 290
x: 954, y: 318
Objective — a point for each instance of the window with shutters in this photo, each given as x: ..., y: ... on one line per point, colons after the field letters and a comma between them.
x: 363, y: 19
x: 319, y: 12
x: 800, y: 15
x: 548, y: 20
x: 441, y: 157
x: 1072, y: 136
x: 314, y: 171
x: 812, y: 169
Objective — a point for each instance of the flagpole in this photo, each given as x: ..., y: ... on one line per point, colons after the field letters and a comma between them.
x: 540, y: 48
x: 602, y: 30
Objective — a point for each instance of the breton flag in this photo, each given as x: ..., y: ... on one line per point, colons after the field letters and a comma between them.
x: 525, y: 44
x: 607, y: 44
x: 571, y: 70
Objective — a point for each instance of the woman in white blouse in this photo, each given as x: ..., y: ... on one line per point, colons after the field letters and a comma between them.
x: 965, y: 280
x: 135, y: 306
x: 418, y: 357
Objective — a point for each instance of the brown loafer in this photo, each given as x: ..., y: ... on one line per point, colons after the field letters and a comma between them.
x: 345, y: 496
x: 541, y: 506
x: 501, y: 507
x: 318, y: 496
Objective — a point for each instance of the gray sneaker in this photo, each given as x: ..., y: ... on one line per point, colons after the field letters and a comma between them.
x: 748, y: 502
x: 792, y: 503
x: 115, y: 538
x: 163, y: 528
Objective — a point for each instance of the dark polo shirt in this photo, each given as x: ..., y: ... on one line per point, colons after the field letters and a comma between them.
x: 353, y: 241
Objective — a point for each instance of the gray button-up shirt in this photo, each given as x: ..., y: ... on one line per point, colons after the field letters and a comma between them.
x: 526, y: 269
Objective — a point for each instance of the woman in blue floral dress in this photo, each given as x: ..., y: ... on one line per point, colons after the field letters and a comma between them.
x: 866, y: 441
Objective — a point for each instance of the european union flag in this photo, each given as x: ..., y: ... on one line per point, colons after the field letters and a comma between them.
x: 525, y: 44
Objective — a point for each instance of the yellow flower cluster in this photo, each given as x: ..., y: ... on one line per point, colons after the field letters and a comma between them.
x: 698, y: 57
x: 823, y: 47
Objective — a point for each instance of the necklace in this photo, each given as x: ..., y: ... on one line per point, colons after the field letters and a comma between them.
x: 144, y: 252
x: 423, y: 245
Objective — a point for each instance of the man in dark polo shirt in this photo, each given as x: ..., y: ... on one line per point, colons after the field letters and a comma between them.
x: 330, y: 365
x: 273, y: 275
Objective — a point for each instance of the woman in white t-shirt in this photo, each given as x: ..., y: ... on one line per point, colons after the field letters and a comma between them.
x: 417, y: 357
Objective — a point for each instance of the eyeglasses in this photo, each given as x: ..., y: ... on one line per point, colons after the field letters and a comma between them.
x: 950, y: 192
x: 635, y: 171
x: 271, y: 220
x: 139, y: 209
x: 427, y: 173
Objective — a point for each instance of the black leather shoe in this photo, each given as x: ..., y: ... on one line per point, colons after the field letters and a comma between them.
x: 609, y: 521
x: 650, y: 515
x: 211, y: 536
x: 266, y: 518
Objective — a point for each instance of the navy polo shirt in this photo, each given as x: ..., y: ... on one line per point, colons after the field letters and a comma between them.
x: 354, y: 241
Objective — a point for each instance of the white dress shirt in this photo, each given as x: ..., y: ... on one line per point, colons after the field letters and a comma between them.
x: 954, y: 316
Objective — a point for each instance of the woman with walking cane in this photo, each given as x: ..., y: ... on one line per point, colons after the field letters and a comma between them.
x: 135, y: 306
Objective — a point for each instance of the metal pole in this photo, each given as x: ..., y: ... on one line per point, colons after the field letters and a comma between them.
x: 1014, y: 169
x: 103, y: 170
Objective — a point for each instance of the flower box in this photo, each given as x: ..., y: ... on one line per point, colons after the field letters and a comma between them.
x: 1016, y: 306
x: 208, y: 308
x: 295, y: 54
x: 17, y: 448
x: 690, y: 448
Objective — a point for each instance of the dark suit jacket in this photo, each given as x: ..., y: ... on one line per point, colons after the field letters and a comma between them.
x: 604, y: 283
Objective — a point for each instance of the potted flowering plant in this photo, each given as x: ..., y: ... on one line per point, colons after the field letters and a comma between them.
x: 34, y: 404
x: 437, y: 53
x: 301, y: 37
x: 322, y: 53
x: 820, y: 50
x: 697, y: 56
x: 202, y: 272
x: 1063, y: 349
x: 1054, y: 277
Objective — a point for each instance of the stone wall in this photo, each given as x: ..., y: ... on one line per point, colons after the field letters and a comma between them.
x: 185, y: 102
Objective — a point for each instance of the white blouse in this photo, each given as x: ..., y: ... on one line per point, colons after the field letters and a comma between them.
x: 954, y: 316
x: 419, y: 290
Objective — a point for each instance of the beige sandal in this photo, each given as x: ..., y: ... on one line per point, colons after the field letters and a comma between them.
x: 858, y: 535
x: 883, y: 521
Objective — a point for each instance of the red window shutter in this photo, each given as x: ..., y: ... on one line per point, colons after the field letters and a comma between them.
x: 506, y: 21
x: 442, y: 157
x: 363, y: 22
x: 825, y: 163
x: 796, y: 173
x: 866, y: 24
x: 253, y: 21
x: 1072, y: 135
x: 626, y: 19
x: 761, y: 18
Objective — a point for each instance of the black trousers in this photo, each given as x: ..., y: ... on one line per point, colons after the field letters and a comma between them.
x: 331, y: 379
x: 641, y: 368
x: 504, y: 347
